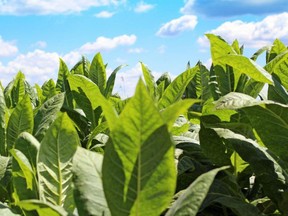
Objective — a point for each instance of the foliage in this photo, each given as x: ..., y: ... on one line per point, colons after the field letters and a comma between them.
x: 213, y: 141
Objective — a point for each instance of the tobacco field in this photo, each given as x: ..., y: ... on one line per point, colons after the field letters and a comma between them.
x: 211, y: 142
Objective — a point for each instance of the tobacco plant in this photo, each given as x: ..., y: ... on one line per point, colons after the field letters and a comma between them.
x: 213, y: 141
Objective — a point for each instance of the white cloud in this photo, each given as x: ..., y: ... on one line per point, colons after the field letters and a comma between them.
x: 104, y: 14
x: 43, y: 7
x: 253, y: 34
x: 38, y: 66
x: 143, y: 7
x: 136, y: 50
x: 7, y: 48
x: 176, y: 26
x: 104, y: 43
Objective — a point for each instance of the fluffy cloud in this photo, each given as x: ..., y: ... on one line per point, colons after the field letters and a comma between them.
x: 37, y: 66
x: 7, y: 48
x: 143, y: 7
x: 43, y: 7
x: 104, y: 14
x: 253, y: 34
x: 176, y: 26
x: 224, y: 8
x: 104, y: 43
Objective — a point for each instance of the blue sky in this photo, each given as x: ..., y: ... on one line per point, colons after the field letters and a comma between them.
x: 165, y: 35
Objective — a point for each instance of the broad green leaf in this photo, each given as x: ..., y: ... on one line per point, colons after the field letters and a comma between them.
x: 15, y: 90
x: 88, y: 191
x: 149, y: 80
x: 3, y: 113
x: 194, y: 88
x: 91, y: 97
x: 46, y: 114
x: 82, y: 67
x: 5, y: 177
x: 277, y: 92
x: 234, y: 100
x: 190, y: 201
x: 24, y: 178
x: 280, y: 71
x: 42, y: 208
x: 49, y: 89
x: 6, y: 211
x: 235, y: 45
x: 20, y: 120
x: 19, y: 86
x: 110, y: 82
x: 29, y: 146
x: 236, y: 204
x: 242, y: 64
x: 271, y: 124
x: 225, y: 78
x: 266, y: 168
x: 39, y: 92
x: 278, y: 47
x: 175, y: 90
x: 172, y: 112
x: 275, y: 62
x: 55, y: 162
x: 213, y: 146
x: 97, y: 72
x: 219, y: 48
x: 141, y: 155
x: 63, y: 74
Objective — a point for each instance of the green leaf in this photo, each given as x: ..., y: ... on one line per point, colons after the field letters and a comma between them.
x: 277, y: 92
x: 271, y: 124
x: 190, y: 201
x: 269, y: 173
x: 278, y: 47
x: 63, y: 74
x: 24, y: 178
x: 46, y: 114
x: 97, y: 72
x: 242, y: 64
x: 213, y: 146
x: 29, y: 146
x: 5, y: 177
x: 234, y: 100
x: 49, y: 89
x: 3, y: 113
x: 172, y: 112
x: 88, y: 191
x: 149, y: 80
x: 141, y: 155
x: 42, y: 208
x: 175, y: 90
x: 82, y: 67
x: 91, y: 98
x: 55, y: 162
x: 20, y: 120
x: 110, y: 82
x: 219, y: 48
